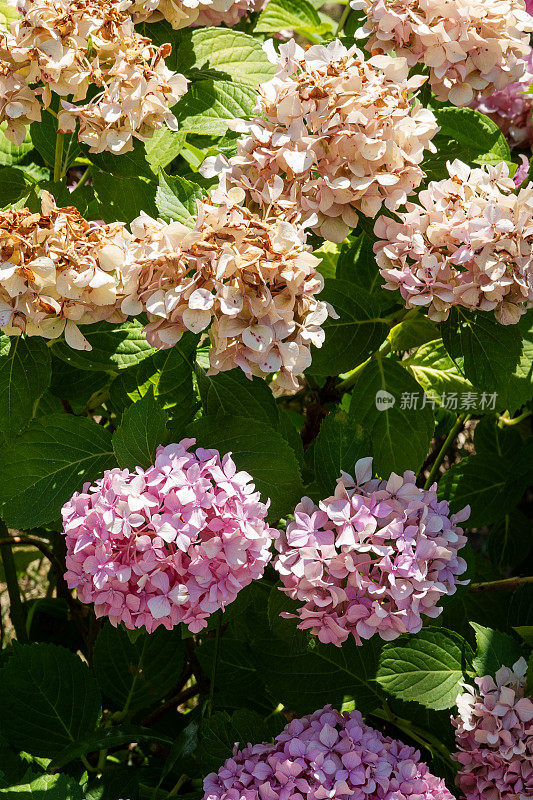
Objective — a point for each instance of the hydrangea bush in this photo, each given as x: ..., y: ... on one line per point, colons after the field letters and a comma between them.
x: 266, y: 400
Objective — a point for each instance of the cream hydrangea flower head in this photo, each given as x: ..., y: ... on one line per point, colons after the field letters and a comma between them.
x: 470, y: 46
x: 181, y: 13
x: 334, y: 135
x: 468, y: 242
x: 58, y: 271
x: 64, y: 47
x: 19, y: 105
x: 252, y: 281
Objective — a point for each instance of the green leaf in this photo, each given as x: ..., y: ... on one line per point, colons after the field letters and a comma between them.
x: 12, y: 185
x: 25, y: 374
x: 8, y: 14
x: 176, y: 199
x: 164, y: 146
x: 114, y: 347
x: 45, y: 787
x: 208, y: 105
x: 219, y: 733
x: 413, y: 332
x: 47, y: 464
x: 357, y: 264
x: 308, y: 676
x: 517, y: 389
x: 510, y: 540
x: 137, y: 674
x: 142, y: 429
x: 49, y: 699
x: 233, y: 393
x: 169, y: 374
x: 75, y: 386
x: 11, y: 153
x: 400, y: 434
x: 107, y: 738
x: 124, y: 198
x: 239, y: 680
x: 494, y: 650
x: 259, y: 450
x: 485, y: 352
x: 340, y: 443
x: 234, y: 55
x: 133, y: 164
x: 491, y: 440
x: 426, y: 668
x: 353, y: 337
x: 434, y: 370
x: 297, y: 15
x: 485, y: 484
x: 526, y: 633
x: 467, y: 135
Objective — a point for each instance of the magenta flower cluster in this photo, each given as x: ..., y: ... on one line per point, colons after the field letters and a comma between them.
x: 169, y: 544
x: 494, y: 734
x: 372, y: 559
x: 326, y: 755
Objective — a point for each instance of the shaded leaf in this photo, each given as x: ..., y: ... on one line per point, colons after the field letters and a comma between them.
x: 25, y: 375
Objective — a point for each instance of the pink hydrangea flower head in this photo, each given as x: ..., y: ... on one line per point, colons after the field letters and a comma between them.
x: 59, y: 271
x: 372, y: 559
x: 467, y: 242
x: 334, y: 135
x: 326, y: 755
x: 494, y: 734
x: 169, y: 544
x: 251, y: 280
x: 511, y: 108
x: 529, y: 6
x: 469, y: 46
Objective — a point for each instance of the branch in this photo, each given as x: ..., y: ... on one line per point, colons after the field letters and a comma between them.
x: 16, y: 612
x: 500, y: 586
x: 461, y: 419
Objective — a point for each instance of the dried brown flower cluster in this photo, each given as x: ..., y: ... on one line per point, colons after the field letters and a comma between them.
x: 59, y: 271
x: 67, y: 47
x: 334, y: 135
x: 180, y: 13
x: 252, y: 280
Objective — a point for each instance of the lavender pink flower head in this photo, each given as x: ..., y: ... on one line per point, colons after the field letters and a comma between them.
x: 469, y: 46
x: 326, y: 755
x: 468, y: 242
x: 169, y: 544
x: 512, y: 108
x: 494, y: 734
x: 372, y: 559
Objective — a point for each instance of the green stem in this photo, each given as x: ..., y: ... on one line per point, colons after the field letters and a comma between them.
x: 210, y: 701
x: 16, y: 612
x: 499, y: 586
x: 342, y: 20
x: 83, y: 180
x: 351, y: 379
x: 461, y: 419
x: 503, y: 420
x: 423, y: 737
x: 58, y: 158
x: 86, y: 764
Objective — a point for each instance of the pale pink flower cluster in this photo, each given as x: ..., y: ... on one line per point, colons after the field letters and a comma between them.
x: 169, y: 544
x: 494, y: 734
x: 335, y: 135
x: 66, y: 47
x: 252, y: 281
x: 59, y: 271
x: 469, y: 46
x: 326, y: 755
x: 468, y: 242
x: 512, y: 108
x: 372, y: 559
x: 180, y: 13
